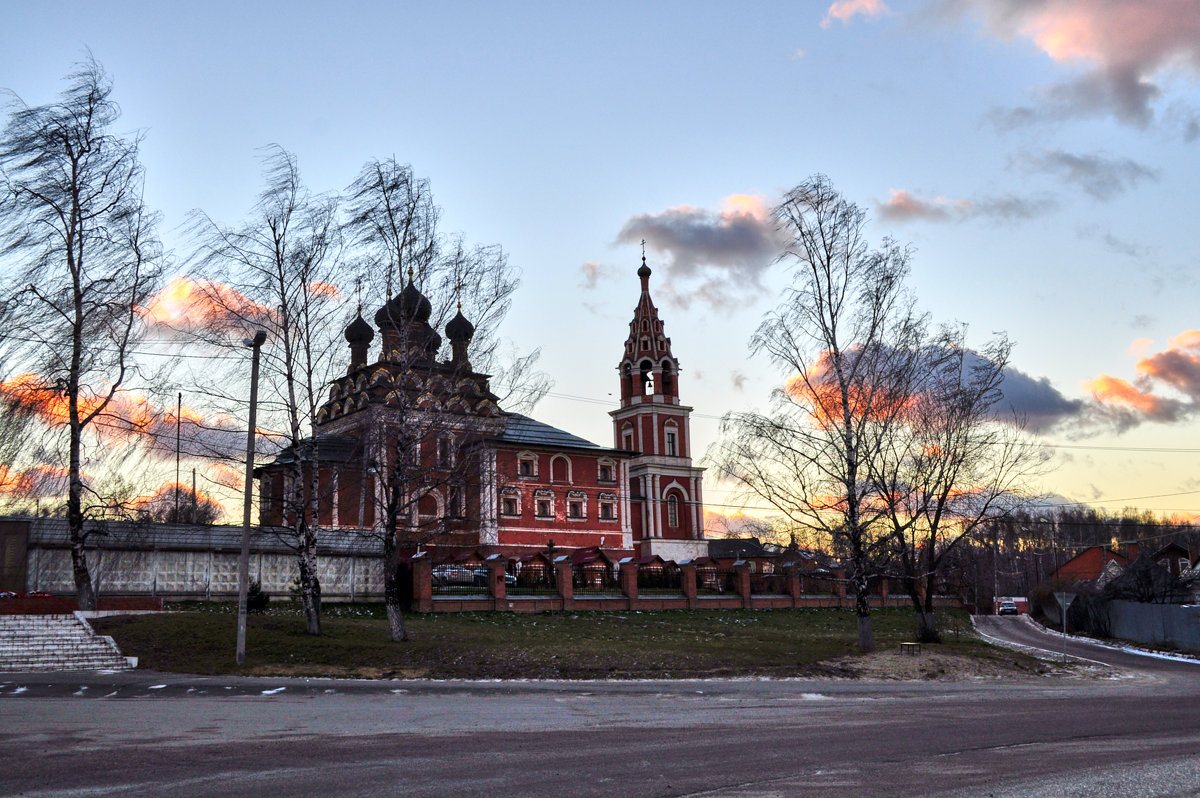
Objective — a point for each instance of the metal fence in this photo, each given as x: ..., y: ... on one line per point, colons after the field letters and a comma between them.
x: 714, y: 581
x: 460, y: 580
x: 532, y: 579
x: 659, y: 579
x: 594, y: 577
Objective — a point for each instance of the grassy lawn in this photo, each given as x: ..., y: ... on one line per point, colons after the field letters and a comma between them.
x: 200, y: 638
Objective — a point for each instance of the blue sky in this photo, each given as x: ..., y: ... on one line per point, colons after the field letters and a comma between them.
x: 1040, y: 157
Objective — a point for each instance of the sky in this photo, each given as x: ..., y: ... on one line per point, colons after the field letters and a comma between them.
x: 1040, y: 156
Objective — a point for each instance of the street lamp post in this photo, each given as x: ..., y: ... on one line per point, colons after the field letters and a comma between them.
x: 244, y: 561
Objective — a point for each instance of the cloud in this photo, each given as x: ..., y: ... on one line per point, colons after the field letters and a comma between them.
x: 1123, y: 48
x: 130, y: 416
x: 1100, y: 176
x: 593, y: 272
x: 714, y: 257
x: 846, y: 10
x: 36, y: 482
x: 1112, y: 243
x: 904, y: 206
x: 1036, y: 400
x: 738, y: 380
x: 188, y: 305
x: 1175, y: 369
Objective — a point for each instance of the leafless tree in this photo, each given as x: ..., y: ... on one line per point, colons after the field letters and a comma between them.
x: 422, y: 453
x: 847, y: 338
x: 80, y: 257
x: 392, y: 223
x: 952, y: 464
x: 278, y: 271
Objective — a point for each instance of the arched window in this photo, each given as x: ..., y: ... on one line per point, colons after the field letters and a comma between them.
x: 673, y: 511
x: 646, y: 369
x: 560, y: 469
x: 671, y: 439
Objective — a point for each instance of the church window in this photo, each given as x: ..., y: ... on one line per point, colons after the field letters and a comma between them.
x: 543, y: 504
x: 510, y: 502
x: 560, y: 469
x: 671, y: 444
x: 608, y: 507
x: 673, y: 511
x: 445, y: 452
x: 605, y: 471
x: 527, y: 464
x: 576, y: 505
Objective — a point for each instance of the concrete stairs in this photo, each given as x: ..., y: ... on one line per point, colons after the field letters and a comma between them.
x: 56, y: 643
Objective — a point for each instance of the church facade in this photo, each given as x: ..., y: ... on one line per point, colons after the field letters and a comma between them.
x: 410, y: 435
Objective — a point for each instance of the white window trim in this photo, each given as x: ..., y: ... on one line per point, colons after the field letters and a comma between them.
x: 527, y: 457
x: 514, y: 494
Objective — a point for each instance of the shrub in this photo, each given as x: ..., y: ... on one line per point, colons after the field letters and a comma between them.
x: 256, y: 599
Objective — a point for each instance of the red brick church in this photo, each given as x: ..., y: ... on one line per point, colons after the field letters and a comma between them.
x: 528, y: 483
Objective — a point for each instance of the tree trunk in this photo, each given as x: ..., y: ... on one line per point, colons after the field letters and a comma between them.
x: 392, y: 598
x: 84, y: 591
x: 310, y: 592
x: 862, y: 607
x: 927, y: 631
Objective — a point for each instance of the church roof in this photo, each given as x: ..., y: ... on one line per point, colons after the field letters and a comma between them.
x: 525, y: 431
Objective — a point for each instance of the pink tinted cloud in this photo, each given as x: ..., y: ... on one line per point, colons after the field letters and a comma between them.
x: 1124, y: 45
x: 1176, y: 368
x: 902, y: 206
x: 846, y: 10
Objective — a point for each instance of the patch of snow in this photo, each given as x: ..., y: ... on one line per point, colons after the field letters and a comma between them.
x: 273, y: 692
x: 19, y: 690
x: 156, y: 687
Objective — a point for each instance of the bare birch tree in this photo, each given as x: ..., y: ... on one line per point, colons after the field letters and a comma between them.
x: 278, y: 271
x: 80, y: 258
x: 392, y: 224
x: 846, y: 336
x: 952, y: 465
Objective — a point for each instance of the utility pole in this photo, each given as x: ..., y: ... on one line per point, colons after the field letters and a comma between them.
x: 178, y: 415
x: 244, y: 562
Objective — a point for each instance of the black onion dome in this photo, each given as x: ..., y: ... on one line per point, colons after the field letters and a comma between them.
x: 409, y: 305
x: 459, y: 329
x: 359, y: 332
x: 413, y: 304
x: 645, y: 270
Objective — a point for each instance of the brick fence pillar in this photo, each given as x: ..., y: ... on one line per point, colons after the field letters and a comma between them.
x: 741, y: 579
x: 687, y: 582
x: 422, y: 583
x: 497, y: 567
x: 839, y: 582
x: 791, y: 583
x: 629, y: 574
x: 563, y: 578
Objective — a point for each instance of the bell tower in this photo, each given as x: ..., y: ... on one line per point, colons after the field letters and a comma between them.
x: 667, y: 510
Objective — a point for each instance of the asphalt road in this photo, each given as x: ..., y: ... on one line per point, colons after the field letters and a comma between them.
x: 1133, y: 732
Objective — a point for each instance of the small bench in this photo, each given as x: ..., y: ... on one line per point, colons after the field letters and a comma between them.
x: 911, y: 649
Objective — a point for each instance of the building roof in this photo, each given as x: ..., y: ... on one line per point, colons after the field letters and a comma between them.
x: 149, y: 535
x: 525, y: 431
x: 741, y: 548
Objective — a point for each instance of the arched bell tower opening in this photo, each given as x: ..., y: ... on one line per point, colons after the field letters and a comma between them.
x: 664, y: 486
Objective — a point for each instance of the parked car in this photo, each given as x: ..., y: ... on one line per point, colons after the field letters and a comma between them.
x: 1009, y: 608
x: 7, y: 594
x: 461, y: 575
x: 444, y: 575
